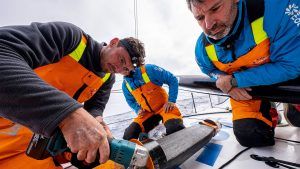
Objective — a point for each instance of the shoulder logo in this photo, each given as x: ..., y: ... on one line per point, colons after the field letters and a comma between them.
x: 294, y: 13
x: 158, y: 69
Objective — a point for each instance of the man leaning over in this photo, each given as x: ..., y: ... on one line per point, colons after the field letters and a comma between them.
x: 47, y: 70
x: 248, y: 43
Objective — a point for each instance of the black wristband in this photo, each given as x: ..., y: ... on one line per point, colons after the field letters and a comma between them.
x: 233, y: 82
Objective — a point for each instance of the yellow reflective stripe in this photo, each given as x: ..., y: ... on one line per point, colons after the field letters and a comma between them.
x: 211, y: 52
x: 128, y: 87
x: 258, y: 30
x: 107, y: 75
x: 145, y: 77
x: 77, y: 53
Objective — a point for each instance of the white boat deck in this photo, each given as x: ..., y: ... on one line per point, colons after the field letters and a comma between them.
x: 224, y: 145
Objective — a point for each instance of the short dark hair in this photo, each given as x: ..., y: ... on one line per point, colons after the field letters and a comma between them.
x: 136, y: 49
x: 189, y: 3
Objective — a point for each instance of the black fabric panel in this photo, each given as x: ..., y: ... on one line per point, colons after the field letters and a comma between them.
x: 253, y: 133
x: 255, y: 9
x: 173, y: 125
x: 265, y: 109
x: 151, y: 122
x: 132, y: 131
x: 79, y: 91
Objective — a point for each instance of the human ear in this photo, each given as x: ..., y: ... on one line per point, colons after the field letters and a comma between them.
x: 114, y: 42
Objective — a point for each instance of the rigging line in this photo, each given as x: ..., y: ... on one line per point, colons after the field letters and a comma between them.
x: 222, y: 101
x: 225, y: 95
x: 135, y: 19
x: 116, y: 92
x: 118, y: 114
x: 120, y: 121
x: 70, y: 166
x: 277, y: 138
x: 184, y: 116
x: 201, y: 114
x: 195, y: 91
x: 282, y: 139
x: 233, y: 158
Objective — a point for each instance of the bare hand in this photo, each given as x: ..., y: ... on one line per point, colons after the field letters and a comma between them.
x: 85, y: 136
x: 223, y: 83
x: 240, y: 93
x: 169, y: 106
x: 105, y: 126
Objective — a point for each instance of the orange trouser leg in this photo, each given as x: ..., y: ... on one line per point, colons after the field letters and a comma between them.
x: 148, y: 120
x: 141, y: 118
x: 172, y: 120
x: 143, y: 123
x: 14, y: 139
x: 172, y: 114
x: 249, y: 109
x: 252, y: 123
x: 110, y: 165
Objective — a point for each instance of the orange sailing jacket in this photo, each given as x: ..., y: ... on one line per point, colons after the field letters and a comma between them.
x: 71, y: 77
x: 31, y: 101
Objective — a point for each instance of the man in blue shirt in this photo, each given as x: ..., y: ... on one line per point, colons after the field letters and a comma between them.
x: 249, y: 43
x: 144, y: 94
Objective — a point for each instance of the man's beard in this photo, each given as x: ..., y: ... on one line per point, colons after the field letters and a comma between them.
x: 226, y: 26
x: 221, y: 34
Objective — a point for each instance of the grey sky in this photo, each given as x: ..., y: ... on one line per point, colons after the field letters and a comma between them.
x: 167, y: 27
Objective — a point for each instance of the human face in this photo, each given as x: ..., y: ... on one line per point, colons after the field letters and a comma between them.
x: 215, y: 17
x: 115, y: 59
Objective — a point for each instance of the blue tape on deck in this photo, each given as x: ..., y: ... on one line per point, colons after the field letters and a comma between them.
x: 210, y: 154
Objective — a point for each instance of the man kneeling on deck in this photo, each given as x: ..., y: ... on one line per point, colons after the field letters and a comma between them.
x: 144, y: 94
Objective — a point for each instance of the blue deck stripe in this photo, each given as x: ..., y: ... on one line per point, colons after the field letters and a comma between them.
x: 210, y: 154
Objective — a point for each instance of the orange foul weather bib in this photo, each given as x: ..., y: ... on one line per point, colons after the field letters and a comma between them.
x: 66, y: 75
x: 257, y: 56
x: 152, y: 98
